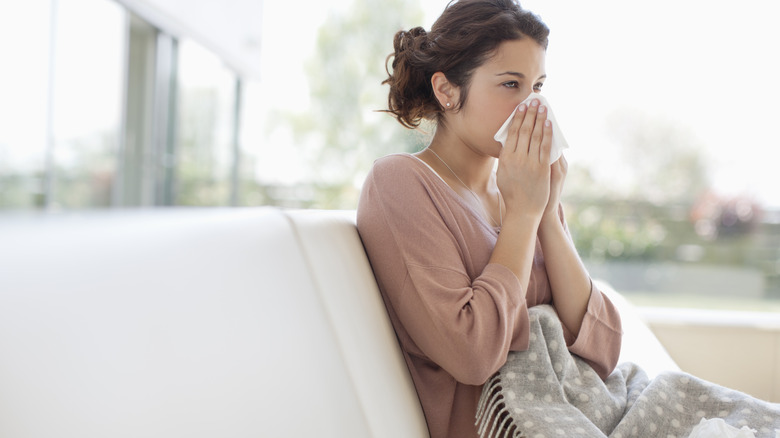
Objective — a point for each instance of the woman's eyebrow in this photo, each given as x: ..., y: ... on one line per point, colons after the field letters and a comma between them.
x: 512, y: 73
x: 518, y: 75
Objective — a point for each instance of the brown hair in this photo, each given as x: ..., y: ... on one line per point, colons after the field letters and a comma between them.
x: 465, y: 36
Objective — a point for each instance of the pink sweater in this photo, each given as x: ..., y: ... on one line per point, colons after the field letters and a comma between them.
x: 456, y: 315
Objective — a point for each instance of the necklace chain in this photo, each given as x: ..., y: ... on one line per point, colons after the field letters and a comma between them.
x: 500, y: 222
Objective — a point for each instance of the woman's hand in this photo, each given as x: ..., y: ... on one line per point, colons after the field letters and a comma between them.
x: 558, y: 171
x: 523, y: 175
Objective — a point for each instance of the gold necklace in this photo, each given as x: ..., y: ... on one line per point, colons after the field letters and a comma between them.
x: 500, y: 222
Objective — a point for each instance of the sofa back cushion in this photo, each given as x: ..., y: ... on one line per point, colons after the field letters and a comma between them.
x: 197, y: 323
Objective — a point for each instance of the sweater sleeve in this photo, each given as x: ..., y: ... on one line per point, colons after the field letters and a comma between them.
x: 417, y: 253
x: 600, y: 336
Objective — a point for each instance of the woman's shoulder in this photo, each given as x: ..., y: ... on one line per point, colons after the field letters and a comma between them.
x: 400, y: 168
x: 393, y: 184
x: 397, y: 161
x: 400, y: 180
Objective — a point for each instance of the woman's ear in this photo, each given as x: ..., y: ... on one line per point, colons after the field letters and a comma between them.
x: 446, y: 93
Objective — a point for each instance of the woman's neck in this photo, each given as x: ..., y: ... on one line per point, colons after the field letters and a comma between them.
x: 473, y: 168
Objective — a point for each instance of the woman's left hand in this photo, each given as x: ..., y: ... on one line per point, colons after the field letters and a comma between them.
x: 558, y: 171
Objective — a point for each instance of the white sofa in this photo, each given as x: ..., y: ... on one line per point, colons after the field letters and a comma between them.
x: 255, y: 322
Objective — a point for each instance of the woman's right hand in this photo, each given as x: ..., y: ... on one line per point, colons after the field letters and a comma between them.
x: 523, y: 174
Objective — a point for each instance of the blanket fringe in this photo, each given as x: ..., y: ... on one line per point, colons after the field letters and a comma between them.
x: 492, y: 411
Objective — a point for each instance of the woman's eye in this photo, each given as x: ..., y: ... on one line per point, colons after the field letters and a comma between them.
x: 538, y: 87
x: 512, y: 84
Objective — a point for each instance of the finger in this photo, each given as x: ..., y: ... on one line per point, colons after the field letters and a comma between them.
x: 564, y: 165
x: 514, y: 128
x: 559, y: 168
x: 527, y: 128
x: 545, y: 147
x: 538, y: 136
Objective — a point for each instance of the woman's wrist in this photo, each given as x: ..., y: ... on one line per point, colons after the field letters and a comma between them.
x: 523, y: 218
x: 550, y: 223
x: 516, y: 244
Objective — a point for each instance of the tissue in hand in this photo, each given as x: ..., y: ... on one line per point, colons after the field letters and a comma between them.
x: 558, y: 142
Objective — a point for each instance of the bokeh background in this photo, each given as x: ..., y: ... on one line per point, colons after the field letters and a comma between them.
x: 670, y: 108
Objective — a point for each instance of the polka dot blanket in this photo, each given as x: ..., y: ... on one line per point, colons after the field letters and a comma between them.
x: 546, y: 391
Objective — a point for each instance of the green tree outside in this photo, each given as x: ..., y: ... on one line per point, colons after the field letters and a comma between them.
x: 343, y: 131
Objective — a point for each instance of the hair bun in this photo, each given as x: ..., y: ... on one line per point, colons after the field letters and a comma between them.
x: 413, y: 39
x: 409, y: 98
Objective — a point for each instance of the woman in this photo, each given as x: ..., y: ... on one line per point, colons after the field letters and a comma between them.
x: 461, y: 251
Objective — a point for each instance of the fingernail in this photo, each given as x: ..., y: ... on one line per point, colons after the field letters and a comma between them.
x: 547, y: 123
x: 541, y: 108
x: 534, y: 103
x: 521, y: 108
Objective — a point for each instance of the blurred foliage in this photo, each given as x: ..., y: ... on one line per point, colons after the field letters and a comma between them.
x: 614, y: 230
x: 21, y: 191
x: 663, y: 174
x: 343, y: 130
x: 628, y: 230
x: 85, y: 173
x: 663, y: 210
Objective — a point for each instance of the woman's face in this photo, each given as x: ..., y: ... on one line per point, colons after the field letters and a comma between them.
x: 516, y: 70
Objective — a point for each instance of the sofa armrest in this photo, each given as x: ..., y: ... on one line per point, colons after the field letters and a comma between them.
x: 639, y: 345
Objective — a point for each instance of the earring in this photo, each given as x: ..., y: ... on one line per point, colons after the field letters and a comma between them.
x: 449, y: 104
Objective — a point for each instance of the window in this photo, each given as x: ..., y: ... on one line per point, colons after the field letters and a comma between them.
x: 205, y: 129
x: 669, y: 108
x: 62, y: 104
x: 86, y: 105
x: 23, y: 107
x: 108, y: 110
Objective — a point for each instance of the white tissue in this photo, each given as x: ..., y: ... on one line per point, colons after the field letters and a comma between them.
x: 717, y: 428
x: 558, y: 141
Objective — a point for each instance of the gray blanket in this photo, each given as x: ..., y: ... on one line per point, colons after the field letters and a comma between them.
x: 548, y: 392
